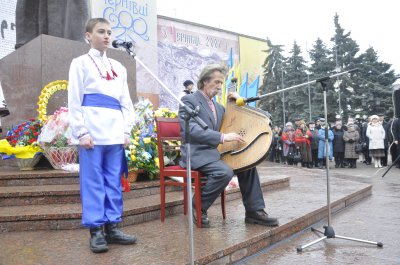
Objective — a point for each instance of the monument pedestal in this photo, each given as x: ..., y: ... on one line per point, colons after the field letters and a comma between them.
x: 24, y: 73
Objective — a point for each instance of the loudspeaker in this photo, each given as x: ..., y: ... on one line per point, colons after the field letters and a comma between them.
x: 396, y: 100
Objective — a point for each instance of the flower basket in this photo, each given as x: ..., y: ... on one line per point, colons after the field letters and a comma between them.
x: 133, y: 175
x: 59, y: 156
x: 28, y: 163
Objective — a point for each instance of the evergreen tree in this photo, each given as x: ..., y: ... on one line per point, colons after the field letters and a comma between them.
x: 345, y: 50
x: 374, y: 81
x: 297, y: 99
x: 274, y: 65
x: 322, y: 65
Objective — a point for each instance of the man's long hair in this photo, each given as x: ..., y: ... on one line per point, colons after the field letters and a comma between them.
x: 208, y: 72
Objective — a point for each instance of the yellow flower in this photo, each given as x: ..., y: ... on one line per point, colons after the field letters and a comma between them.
x: 157, y: 162
x: 133, y: 157
x: 164, y: 109
x: 158, y: 113
x: 136, y: 138
x: 147, y: 140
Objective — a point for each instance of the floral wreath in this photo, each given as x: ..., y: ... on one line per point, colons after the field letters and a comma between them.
x: 46, y: 94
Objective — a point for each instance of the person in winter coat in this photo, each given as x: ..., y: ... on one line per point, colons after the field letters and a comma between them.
x: 338, y: 144
x: 376, y: 136
x: 314, y: 143
x: 288, y: 143
x: 302, y: 138
x: 396, y: 140
x: 321, y: 145
x: 351, y: 138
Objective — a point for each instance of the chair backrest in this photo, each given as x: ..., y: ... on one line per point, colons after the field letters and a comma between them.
x: 167, y: 129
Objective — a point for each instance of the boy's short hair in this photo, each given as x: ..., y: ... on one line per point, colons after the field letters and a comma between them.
x: 91, y: 23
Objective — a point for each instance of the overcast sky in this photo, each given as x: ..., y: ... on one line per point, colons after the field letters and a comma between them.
x: 372, y: 23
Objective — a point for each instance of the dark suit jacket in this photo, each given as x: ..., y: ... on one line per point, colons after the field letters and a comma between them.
x: 203, y: 143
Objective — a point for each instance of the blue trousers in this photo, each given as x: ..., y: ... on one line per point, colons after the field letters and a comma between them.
x: 100, y: 184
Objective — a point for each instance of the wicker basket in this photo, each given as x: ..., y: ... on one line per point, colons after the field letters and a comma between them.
x: 28, y: 163
x: 59, y: 156
x: 133, y: 175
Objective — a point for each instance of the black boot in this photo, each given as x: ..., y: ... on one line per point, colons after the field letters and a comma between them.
x: 116, y: 236
x: 260, y: 217
x: 205, y: 223
x: 98, y: 243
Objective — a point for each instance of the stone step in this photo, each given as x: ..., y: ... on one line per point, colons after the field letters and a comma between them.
x: 16, y: 177
x: 59, y: 194
x: 20, y: 195
x: 227, y: 241
x: 68, y: 214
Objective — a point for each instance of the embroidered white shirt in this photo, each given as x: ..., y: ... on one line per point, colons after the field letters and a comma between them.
x: 106, y: 126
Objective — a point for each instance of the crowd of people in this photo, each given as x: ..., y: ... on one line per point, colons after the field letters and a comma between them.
x: 370, y: 141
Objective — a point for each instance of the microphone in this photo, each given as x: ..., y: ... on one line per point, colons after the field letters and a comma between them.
x: 242, y: 101
x: 124, y: 44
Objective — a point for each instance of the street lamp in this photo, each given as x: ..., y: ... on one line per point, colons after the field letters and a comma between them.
x: 309, y: 93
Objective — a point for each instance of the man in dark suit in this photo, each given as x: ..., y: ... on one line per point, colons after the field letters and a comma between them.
x: 205, y: 156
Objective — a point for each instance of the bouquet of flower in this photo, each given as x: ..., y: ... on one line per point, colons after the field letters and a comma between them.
x: 21, y: 140
x: 55, y: 139
x: 165, y: 112
x: 143, y: 153
x: 56, y: 131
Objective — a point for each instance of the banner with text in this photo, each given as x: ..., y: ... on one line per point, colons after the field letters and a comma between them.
x: 183, y: 51
x: 134, y: 21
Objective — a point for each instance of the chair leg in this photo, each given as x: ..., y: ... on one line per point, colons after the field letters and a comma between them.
x: 197, y: 187
x: 223, y: 196
x: 185, y: 197
x: 162, y: 195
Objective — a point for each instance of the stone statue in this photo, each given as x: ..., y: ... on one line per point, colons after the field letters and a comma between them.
x: 60, y: 18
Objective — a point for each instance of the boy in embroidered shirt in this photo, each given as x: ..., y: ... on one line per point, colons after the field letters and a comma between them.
x: 101, y: 118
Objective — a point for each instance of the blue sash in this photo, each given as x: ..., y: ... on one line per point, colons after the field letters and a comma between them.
x: 100, y: 100
x: 104, y: 101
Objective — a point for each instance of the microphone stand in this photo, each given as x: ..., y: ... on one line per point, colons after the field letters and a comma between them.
x: 393, y: 163
x: 190, y: 113
x: 329, y: 232
x: 328, y: 229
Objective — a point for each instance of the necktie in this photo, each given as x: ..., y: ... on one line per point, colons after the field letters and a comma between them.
x: 212, y: 107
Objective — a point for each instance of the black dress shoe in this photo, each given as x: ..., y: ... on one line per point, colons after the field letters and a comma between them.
x: 98, y: 243
x: 260, y: 217
x: 115, y: 236
x: 205, y: 223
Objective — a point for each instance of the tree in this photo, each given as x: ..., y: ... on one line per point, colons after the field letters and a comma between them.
x: 322, y: 65
x: 374, y: 83
x: 274, y: 66
x: 297, y: 99
x: 345, y: 50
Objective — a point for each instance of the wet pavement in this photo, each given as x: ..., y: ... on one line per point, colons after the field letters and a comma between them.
x: 227, y: 240
x: 376, y: 218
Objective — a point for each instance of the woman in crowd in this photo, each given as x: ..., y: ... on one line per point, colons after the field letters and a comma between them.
x: 351, y: 137
x: 338, y: 144
x: 288, y: 143
x: 376, y: 136
x: 302, y: 138
x: 321, y: 144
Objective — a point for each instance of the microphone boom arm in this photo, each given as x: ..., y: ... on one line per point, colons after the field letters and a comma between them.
x: 322, y: 79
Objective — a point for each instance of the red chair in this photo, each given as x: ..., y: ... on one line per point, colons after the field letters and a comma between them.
x: 169, y: 129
